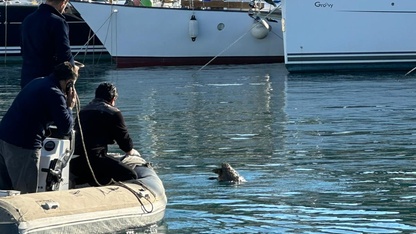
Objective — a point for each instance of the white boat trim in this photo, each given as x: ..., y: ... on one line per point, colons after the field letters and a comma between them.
x: 349, y: 35
x: 97, y: 222
x: 352, y: 57
x: 15, y: 50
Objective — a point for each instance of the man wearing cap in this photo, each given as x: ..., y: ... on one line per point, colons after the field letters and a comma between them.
x: 23, y: 128
x: 44, y: 41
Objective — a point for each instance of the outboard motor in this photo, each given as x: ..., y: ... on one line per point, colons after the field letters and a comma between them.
x: 55, y: 155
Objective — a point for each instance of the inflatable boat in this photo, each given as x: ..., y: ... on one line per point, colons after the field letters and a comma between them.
x: 57, y: 208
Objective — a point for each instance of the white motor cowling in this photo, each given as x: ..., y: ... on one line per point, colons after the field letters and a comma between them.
x: 53, y: 170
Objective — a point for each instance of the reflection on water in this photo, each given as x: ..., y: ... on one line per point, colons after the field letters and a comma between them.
x: 322, y: 153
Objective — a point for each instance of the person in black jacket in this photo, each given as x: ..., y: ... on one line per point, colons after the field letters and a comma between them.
x: 42, y: 102
x: 99, y: 124
x: 44, y: 41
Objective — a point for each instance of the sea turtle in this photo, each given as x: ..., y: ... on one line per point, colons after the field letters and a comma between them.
x: 227, y: 174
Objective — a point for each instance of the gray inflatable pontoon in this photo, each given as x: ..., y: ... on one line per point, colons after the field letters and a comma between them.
x: 129, y: 204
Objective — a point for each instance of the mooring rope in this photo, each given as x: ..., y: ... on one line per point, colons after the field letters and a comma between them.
x: 79, y: 104
x: 95, y: 33
x: 238, y: 39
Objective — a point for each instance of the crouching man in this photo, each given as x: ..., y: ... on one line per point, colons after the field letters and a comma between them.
x: 100, y: 123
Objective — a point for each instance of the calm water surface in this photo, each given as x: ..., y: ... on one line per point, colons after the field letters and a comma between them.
x: 322, y: 153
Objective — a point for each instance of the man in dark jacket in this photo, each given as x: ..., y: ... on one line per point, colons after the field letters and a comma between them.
x: 100, y: 123
x: 44, y: 41
x: 22, y: 130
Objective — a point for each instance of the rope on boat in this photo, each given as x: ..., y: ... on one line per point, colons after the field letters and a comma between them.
x: 78, y: 107
x: 87, y: 45
x: 144, y: 186
x: 78, y: 104
x: 413, y: 69
x: 94, y: 33
x: 138, y: 195
x: 216, y: 56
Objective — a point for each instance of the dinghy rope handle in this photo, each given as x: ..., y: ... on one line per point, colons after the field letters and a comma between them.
x: 138, y: 195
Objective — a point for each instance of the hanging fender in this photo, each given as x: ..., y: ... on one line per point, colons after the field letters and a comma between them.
x: 193, y: 28
x: 260, y: 28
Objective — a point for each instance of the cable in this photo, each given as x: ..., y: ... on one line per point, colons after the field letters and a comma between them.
x: 90, y: 38
x: 112, y: 181
x: 138, y: 195
x: 236, y: 41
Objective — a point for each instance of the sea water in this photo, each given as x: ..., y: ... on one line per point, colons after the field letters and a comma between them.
x: 321, y: 153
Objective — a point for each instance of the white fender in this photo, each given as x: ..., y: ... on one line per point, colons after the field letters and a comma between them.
x: 260, y: 29
x: 193, y: 28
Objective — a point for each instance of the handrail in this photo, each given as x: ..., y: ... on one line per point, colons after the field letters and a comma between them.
x: 217, y: 4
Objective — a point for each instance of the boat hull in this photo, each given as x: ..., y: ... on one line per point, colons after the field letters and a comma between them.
x: 126, y: 62
x: 349, y: 35
x: 153, y: 36
x: 83, y: 209
x: 12, y: 15
x: 87, y: 210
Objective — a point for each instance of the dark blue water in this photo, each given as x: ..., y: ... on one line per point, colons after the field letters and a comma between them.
x: 321, y: 153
